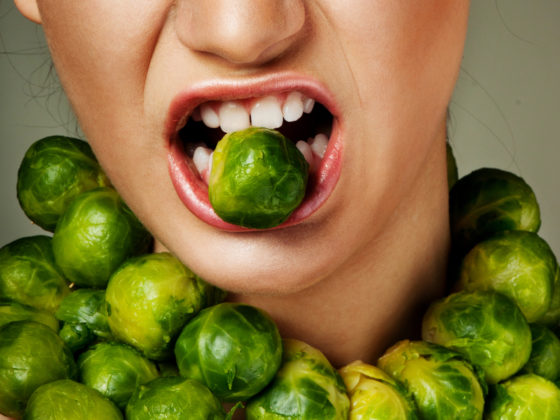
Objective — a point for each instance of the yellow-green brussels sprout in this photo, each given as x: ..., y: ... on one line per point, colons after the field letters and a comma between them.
x: 53, y: 171
x: 545, y: 353
x: 488, y: 201
x: 13, y: 311
x: 150, y: 298
x: 174, y: 398
x: 29, y: 275
x: 85, y: 318
x: 258, y: 178
x: 115, y: 370
x: 306, y: 387
x: 69, y: 400
x: 486, y: 327
x: 31, y: 354
x: 552, y: 316
x: 452, y: 172
x: 234, y: 349
x: 374, y: 395
x: 443, y: 385
x: 524, y: 397
x: 517, y: 264
x: 95, y: 235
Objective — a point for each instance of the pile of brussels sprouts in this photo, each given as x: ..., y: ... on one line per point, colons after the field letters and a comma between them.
x: 94, y: 326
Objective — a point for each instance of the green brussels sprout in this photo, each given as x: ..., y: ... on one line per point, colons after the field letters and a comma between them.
x: 31, y: 354
x: 306, y: 387
x: 95, y: 235
x: 234, y: 349
x: 545, y: 353
x: 443, y: 385
x: 150, y: 298
x: 76, y: 336
x: 29, y: 275
x: 486, y: 327
x: 552, y: 316
x: 53, y: 171
x: 115, y: 370
x: 69, y: 400
x: 86, y: 306
x: 374, y: 395
x: 13, y: 311
x: 452, y: 171
x: 174, y: 398
x: 488, y: 201
x: 524, y: 397
x: 258, y: 178
x: 517, y: 264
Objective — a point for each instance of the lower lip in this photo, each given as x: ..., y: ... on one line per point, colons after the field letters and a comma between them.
x: 193, y: 192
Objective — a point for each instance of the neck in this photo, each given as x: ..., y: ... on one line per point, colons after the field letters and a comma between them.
x: 379, y: 296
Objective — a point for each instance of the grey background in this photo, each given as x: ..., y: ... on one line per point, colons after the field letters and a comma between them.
x: 504, y: 113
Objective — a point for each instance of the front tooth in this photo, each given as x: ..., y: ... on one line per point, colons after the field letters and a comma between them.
x: 293, y: 107
x: 266, y: 113
x: 209, y: 116
x: 319, y: 144
x: 233, y: 117
x: 201, y: 159
x: 308, y: 105
x: 305, y: 150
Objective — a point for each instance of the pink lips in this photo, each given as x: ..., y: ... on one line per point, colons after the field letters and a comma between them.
x: 189, y: 186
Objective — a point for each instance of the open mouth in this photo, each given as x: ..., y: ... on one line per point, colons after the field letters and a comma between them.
x: 301, y: 113
x: 293, y: 114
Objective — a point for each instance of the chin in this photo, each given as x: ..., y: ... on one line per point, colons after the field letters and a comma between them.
x: 279, y: 262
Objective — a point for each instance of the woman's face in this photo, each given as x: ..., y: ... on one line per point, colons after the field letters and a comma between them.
x: 135, y: 69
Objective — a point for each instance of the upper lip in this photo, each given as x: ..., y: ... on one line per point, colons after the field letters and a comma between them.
x: 222, y: 90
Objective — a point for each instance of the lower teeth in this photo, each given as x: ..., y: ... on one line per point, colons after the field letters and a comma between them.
x: 312, y: 150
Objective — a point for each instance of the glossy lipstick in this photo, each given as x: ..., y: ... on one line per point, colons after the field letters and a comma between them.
x: 188, y: 184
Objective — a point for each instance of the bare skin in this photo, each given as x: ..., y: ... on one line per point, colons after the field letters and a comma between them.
x: 352, y: 277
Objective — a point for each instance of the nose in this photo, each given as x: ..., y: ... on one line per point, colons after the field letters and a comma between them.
x: 240, y: 31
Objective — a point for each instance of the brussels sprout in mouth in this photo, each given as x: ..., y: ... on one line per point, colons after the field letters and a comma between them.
x: 295, y: 115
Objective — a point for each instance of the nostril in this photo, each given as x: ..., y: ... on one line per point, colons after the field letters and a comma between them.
x: 240, y: 31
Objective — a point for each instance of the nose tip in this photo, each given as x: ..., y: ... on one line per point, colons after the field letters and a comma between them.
x: 240, y: 31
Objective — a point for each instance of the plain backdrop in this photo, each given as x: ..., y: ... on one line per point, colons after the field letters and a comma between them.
x: 505, y: 111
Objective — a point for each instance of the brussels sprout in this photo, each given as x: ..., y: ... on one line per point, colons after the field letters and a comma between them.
x: 452, y: 172
x: 69, y: 400
x: 115, y: 370
x: 31, y: 354
x: 174, y: 398
x: 487, y: 328
x: 552, y: 316
x: 86, y: 306
x: 95, y: 235
x: 150, y: 298
x: 306, y: 387
x: 29, y: 275
x: 258, y: 178
x: 545, y: 353
x: 234, y: 349
x: 517, y: 264
x: 53, y: 171
x: 524, y: 397
x: 76, y: 336
x: 443, y: 385
x: 488, y: 201
x: 13, y: 311
x: 374, y: 395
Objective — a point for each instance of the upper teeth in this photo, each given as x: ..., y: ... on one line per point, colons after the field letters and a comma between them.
x: 268, y: 112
